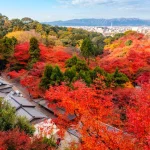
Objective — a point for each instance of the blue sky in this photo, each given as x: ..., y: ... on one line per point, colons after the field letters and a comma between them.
x: 51, y: 10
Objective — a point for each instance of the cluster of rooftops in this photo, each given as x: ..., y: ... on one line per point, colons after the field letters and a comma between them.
x: 35, y: 111
x: 23, y: 106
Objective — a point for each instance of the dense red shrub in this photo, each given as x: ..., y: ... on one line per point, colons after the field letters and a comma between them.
x: 22, y: 53
x: 62, y: 56
x: 144, y: 78
x: 38, y: 69
x: 32, y: 85
x: 14, y: 140
x: 38, y: 144
x: 138, y: 116
x: 55, y: 55
x: 93, y: 109
x: 17, y: 74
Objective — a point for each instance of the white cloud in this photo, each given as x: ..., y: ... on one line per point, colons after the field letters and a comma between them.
x: 76, y: 2
x: 86, y: 2
x: 99, y: 2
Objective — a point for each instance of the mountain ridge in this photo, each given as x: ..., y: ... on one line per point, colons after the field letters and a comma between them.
x: 102, y: 22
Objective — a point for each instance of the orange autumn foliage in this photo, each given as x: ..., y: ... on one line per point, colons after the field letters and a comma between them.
x: 32, y: 85
x: 56, y: 55
x: 93, y: 110
x: 107, y: 119
x: 129, y: 59
x: 15, y: 74
x: 138, y: 116
x: 22, y: 53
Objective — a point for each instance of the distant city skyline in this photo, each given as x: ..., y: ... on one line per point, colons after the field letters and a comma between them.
x: 53, y: 10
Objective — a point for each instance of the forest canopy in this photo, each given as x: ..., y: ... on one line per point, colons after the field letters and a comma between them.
x: 104, y: 82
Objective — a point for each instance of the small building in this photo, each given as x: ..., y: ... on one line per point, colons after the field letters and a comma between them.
x: 48, y: 106
x: 5, y: 88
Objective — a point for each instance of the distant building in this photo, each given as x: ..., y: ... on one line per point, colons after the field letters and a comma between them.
x: 112, y: 30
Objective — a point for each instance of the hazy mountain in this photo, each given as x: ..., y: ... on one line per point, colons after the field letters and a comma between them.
x: 102, y: 22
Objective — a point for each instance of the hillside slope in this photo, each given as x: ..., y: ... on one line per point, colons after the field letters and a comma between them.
x: 102, y: 22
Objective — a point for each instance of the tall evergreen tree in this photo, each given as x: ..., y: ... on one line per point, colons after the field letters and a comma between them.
x: 34, y: 52
x: 51, y: 76
x: 34, y: 48
x: 87, y: 49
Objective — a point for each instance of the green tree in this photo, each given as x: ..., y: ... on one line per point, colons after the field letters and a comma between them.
x: 87, y: 49
x: 97, y: 70
x: 81, y: 65
x: 7, y: 46
x: 50, y: 141
x: 7, y: 116
x: 85, y: 76
x: 119, y: 78
x: 24, y: 125
x: 128, y: 43
x: 39, y: 28
x: 115, y: 79
x: 45, y: 81
x: 109, y: 80
x: 118, y: 36
x: 56, y: 76
x: 26, y: 20
x: 108, y: 40
x: 99, y: 44
x: 34, y: 52
x: 70, y: 74
x: 72, y: 61
x: 9, y: 120
x: 34, y: 48
x: 51, y: 76
x: 77, y: 63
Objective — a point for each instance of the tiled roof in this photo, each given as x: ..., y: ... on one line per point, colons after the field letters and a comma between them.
x: 25, y: 108
x: 5, y: 87
x: 45, y: 103
x: 22, y: 105
x: 2, y: 95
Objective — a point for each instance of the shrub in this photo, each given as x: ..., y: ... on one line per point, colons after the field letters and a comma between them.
x: 14, y: 140
x: 7, y: 116
x: 51, y: 76
x: 120, y: 78
x: 24, y: 125
x: 7, y: 47
x: 96, y: 71
x: 115, y: 79
x: 70, y: 74
x: 9, y: 120
x: 71, y: 62
x: 128, y: 43
x: 49, y: 141
x: 56, y: 76
x: 85, y: 76
x: 42, y: 144
x: 77, y: 63
x: 81, y: 65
